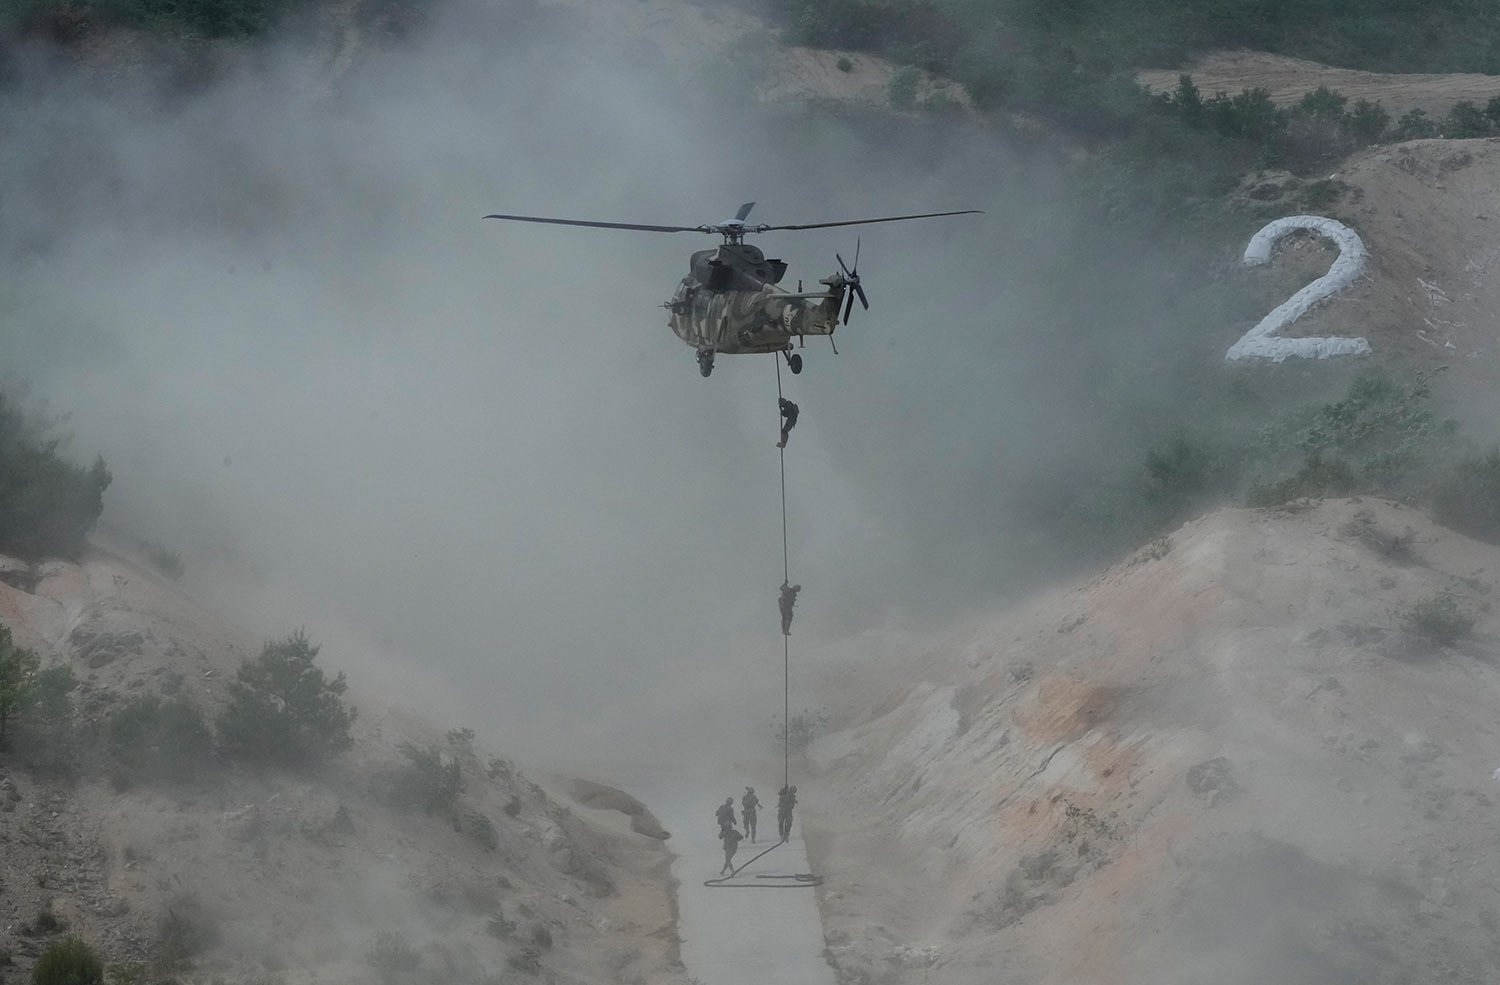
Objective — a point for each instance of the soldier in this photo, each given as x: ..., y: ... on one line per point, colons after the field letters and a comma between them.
x: 748, y: 806
x: 787, y: 601
x: 786, y: 800
x: 731, y: 839
x: 726, y: 814
x: 788, y: 419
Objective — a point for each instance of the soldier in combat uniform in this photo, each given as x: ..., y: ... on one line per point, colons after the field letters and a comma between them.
x: 787, y: 601
x: 725, y: 814
x: 748, y: 806
x: 731, y: 839
x: 786, y: 801
x: 788, y: 419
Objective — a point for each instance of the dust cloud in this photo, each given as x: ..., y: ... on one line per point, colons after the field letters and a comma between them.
x: 469, y: 456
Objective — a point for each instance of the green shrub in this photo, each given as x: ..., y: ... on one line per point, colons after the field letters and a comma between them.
x: 481, y: 829
x: 392, y: 956
x: 46, y: 923
x: 47, y: 504
x: 18, y: 669
x: 807, y: 725
x: 1368, y: 121
x: 1466, y: 120
x: 1467, y: 497
x: 1318, y: 478
x: 123, y: 973
x: 48, y: 739
x: 426, y: 781
x: 69, y: 961
x: 186, y: 929
x: 168, y: 562
x: 1441, y: 619
x: 283, y: 710
x: 1183, y: 473
x: 901, y: 90
x: 161, y: 741
x: 1415, y: 124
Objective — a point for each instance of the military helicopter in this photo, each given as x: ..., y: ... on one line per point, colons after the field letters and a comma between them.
x: 730, y: 302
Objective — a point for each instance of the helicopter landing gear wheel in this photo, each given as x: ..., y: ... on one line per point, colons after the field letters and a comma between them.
x: 793, y: 360
x: 705, y: 361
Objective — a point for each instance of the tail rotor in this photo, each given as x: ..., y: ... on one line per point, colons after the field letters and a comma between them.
x: 851, y: 278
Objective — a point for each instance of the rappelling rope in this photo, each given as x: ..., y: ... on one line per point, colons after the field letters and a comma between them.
x: 799, y: 880
x: 786, y: 641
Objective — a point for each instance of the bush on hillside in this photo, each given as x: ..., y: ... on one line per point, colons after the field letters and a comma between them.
x: 45, y: 734
x: 283, y: 710
x: 163, y: 559
x: 806, y: 726
x: 69, y: 961
x: 393, y: 957
x: 901, y: 90
x: 427, y: 781
x: 18, y: 669
x: 1415, y: 124
x: 158, y: 741
x: 1467, y: 497
x: 1440, y: 619
x: 1368, y: 121
x: 1318, y: 478
x: 186, y: 929
x: 47, y: 504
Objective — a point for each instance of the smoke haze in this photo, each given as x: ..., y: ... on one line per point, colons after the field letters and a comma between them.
x: 469, y: 456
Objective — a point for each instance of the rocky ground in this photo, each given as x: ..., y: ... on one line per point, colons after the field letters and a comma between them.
x: 1248, y: 753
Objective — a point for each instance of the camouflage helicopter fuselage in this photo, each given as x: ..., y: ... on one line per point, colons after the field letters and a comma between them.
x: 729, y: 302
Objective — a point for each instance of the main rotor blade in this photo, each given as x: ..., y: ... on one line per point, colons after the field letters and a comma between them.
x: 848, y: 274
x: 600, y: 225
x: 848, y: 307
x: 863, y: 301
x: 862, y: 222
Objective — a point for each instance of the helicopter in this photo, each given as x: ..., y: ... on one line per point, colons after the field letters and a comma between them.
x: 730, y: 302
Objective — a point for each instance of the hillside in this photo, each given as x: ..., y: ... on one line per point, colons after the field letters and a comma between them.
x: 1424, y: 211
x: 265, y: 875
x: 1236, y: 756
x: 1289, y: 79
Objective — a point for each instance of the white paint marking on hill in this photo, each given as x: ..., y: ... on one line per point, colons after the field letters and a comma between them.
x: 1262, y: 341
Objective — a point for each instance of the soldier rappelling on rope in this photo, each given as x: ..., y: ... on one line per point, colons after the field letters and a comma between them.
x: 787, y: 601
x: 789, y: 413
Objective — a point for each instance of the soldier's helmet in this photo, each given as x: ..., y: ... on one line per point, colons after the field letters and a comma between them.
x: 794, y: 788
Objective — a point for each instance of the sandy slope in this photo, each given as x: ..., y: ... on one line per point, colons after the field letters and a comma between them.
x: 1223, y: 759
x: 1289, y: 79
x: 299, y: 873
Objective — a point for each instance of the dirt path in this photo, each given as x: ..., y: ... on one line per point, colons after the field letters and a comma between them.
x: 1289, y: 79
x: 736, y: 936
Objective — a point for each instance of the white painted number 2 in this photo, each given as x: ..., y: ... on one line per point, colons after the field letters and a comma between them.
x: 1262, y: 341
